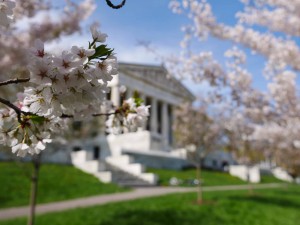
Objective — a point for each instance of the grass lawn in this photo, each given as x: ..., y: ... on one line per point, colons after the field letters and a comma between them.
x: 270, y: 179
x: 209, y: 178
x: 57, y: 182
x: 265, y: 207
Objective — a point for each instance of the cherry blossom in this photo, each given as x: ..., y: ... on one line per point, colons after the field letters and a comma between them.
x: 98, y: 36
x: 136, y: 114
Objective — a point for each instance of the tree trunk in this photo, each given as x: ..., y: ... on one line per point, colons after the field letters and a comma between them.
x: 199, y: 188
x: 250, y: 189
x: 34, y: 188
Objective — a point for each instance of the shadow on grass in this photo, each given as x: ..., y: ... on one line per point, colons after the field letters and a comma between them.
x: 3, y: 202
x: 289, y: 190
x: 159, y: 217
x: 268, y: 200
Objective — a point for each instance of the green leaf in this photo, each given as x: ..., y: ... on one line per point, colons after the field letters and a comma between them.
x: 37, y: 119
x: 101, y: 51
x: 138, y: 101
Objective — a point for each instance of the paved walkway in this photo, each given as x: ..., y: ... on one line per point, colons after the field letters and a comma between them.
x: 135, y: 194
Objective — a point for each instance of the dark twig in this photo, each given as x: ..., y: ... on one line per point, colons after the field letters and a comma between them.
x: 19, y: 112
x: 110, y: 4
x: 15, y: 81
x: 105, y: 114
x: 94, y: 115
x: 15, y: 108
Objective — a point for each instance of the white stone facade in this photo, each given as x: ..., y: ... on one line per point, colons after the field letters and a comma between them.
x: 246, y: 173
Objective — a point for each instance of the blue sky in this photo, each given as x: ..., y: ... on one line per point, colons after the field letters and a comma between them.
x: 152, y: 21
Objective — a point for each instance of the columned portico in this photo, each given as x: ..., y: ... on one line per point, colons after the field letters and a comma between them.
x: 157, y: 89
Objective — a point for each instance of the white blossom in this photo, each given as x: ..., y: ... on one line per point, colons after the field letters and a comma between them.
x: 97, y: 35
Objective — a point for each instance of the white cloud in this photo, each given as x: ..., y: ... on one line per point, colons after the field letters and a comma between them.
x: 135, y: 54
x: 126, y: 51
x: 66, y: 43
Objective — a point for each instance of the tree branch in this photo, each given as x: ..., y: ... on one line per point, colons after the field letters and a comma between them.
x: 15, y: 108
x: 19, y: 112
x: 106, y: 114
x: 94, y: 115
x: 14, y: 81
x: 110, y: 4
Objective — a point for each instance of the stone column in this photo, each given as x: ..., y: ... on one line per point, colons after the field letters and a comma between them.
x: 115, y: 95
x: 165, y: 123
x: 129, y: 93
x: 153, y: 117
x: 170, y: 124
x: 143, y: 97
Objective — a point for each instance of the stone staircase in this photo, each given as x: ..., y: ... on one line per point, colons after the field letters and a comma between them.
x: 281, y: 174
x: 81, y: 160
x: 125, y: 179
x: 126, y: 163
x: 117, y: 169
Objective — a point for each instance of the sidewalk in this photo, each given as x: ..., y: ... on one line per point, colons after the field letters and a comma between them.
x: 110, y: 198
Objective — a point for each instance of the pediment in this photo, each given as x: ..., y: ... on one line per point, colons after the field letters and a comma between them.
x: 157, y: 76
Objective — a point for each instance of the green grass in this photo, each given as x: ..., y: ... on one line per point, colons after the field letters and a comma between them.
x: 57, y: 182
x: 270, y: 179
x: 265, y: 207
x: 208, y: 177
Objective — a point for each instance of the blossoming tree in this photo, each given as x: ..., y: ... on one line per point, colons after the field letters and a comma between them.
x: 199, y: 133
x: 42, y: 91
x: 270, y: 29
x: 70, y: 85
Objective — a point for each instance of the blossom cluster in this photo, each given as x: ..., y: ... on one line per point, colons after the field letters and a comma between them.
x: 277, y: 15
x: 277, y: 49
x: 30, y: 136
x: 128, y: 117
x: 72, y: 84
x: 37, y: 19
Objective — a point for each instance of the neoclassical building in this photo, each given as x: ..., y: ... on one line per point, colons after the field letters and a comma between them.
x: 154, y: 144
x: 158, y: 89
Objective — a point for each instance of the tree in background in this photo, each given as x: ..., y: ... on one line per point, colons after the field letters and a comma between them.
x: 195, y: 130
x: 268, y: 28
